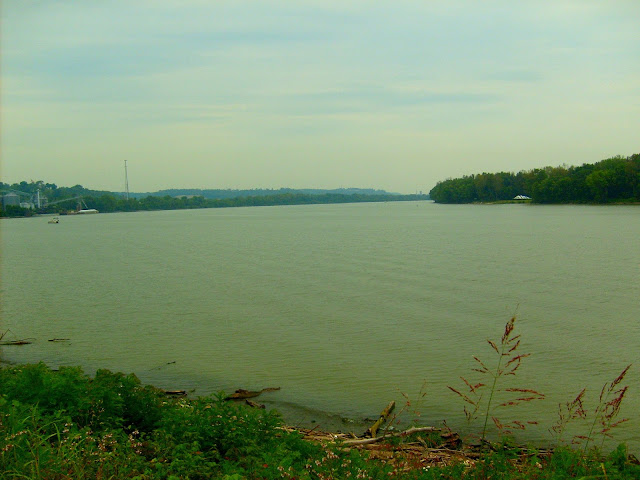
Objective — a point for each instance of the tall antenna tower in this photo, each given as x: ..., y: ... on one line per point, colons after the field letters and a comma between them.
x: 126, y: 179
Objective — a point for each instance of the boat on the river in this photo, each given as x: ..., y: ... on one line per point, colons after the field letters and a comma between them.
x: 54, y: 220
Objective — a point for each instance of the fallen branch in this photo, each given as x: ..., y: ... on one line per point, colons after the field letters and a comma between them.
x: 241, y: 393
x: 373, y: 429
x: 365, y: 441
x: 176, y: 393
x: 254, y: 404
x: 17, y: 342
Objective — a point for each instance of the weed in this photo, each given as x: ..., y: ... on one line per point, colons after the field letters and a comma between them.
x: 567, y: 413
x: 507, y: 363
x: 605, y: 415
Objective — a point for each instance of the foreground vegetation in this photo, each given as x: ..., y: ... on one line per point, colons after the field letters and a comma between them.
x: 614, y: 180
x: 65, y: 425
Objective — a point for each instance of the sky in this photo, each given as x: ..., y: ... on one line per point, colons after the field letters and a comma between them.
x: 388, y: 94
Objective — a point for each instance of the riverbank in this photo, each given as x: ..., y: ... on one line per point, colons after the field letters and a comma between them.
x: 64, y: 424
x: 108, y: 203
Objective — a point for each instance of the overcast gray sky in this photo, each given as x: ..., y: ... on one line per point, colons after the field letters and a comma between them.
x: 386, y: 94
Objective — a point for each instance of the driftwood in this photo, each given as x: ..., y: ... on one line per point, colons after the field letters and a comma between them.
x: 176, y: 393
x: 254, y: 404
x: 373, y: 429
x: 17, y: 342
x: 411, y: 455
x: 241, y: 393
x: 365, y: 441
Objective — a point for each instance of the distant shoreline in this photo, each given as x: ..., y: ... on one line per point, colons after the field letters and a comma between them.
x: 111, y: 205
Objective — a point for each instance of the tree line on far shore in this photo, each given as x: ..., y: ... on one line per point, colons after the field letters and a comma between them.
x: 112, y: 203
x: 613, y: 180
x: 62, y: 200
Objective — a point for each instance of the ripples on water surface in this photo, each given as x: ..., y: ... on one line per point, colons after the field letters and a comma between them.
x: 343, y: 306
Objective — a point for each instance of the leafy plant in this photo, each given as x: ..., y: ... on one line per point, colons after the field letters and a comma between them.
x: 105, y: 401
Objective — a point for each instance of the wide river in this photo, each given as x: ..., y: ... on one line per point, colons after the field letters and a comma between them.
x: 345, y: 307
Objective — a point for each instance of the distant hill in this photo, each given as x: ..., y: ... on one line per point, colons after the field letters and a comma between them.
x: 257, y: 192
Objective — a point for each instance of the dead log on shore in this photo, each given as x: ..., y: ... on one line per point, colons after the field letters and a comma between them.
x: 242, y: 394
x: 176, y: 393
x: 254, y: 404
x: 373, y: 429
x: 410, y: 431
x: 417, y: 452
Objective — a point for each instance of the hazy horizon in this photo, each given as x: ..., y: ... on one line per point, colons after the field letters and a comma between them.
x: 314, y: 94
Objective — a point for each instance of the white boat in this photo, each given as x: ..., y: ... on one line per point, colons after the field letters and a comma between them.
x: 54, y: 220
x: 87, y: 211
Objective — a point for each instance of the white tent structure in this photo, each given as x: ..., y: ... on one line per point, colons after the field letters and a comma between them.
x: 521, y: 197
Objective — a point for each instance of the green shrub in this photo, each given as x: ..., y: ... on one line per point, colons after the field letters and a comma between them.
x: 110, y: 400
x: 232, y: 430
x: 120, y: 400
x: 52, y: 391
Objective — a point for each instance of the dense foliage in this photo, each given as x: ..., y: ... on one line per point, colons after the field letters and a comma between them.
x: 64, y: 425
x: 615, y: 179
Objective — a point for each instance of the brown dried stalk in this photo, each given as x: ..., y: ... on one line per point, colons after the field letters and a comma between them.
x: 508, y: 362
x: 410, y: 406
x: 569, y: 411
x: 608, y: 409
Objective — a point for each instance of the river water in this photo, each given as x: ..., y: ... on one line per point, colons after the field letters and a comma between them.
x: 345, y: 307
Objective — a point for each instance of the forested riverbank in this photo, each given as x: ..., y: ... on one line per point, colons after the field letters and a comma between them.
x: 46, y: 198
x: 613, y: 180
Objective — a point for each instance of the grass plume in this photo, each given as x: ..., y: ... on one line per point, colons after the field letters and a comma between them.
x: 480, y: 398
x: 605, y: 415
